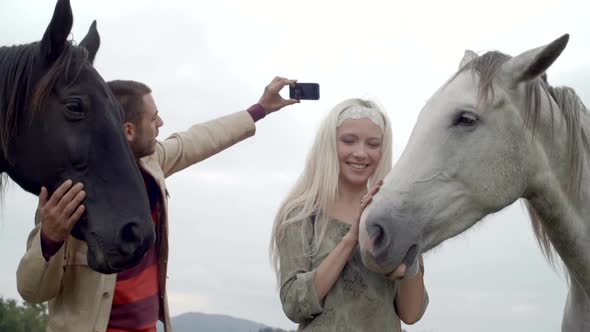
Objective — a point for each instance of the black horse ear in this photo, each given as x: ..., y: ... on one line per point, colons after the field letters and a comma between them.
x: 91, y: 42
x: 55, y: 37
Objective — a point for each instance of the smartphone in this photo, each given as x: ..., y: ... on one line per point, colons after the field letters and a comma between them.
x: 306, y: 91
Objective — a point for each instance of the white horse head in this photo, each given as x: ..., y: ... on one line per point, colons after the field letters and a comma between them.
x: 494, y: 133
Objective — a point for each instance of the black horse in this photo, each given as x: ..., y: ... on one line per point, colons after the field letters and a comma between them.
x: 58, y: 121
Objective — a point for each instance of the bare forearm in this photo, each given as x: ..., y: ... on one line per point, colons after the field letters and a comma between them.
x: 329, y: 270
x: 409, y: 298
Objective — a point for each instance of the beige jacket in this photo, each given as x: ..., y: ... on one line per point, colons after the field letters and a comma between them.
x: 79, y: 298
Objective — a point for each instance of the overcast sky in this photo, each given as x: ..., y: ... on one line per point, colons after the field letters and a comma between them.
x: 205, y: 59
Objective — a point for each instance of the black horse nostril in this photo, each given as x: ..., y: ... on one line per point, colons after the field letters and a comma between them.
x: 129, y: 233
x: 130, y: 238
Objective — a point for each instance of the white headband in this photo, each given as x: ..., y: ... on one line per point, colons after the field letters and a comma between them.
x: 358, y: 112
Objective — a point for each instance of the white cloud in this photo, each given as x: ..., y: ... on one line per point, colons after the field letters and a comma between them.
x: 187, y: 302
x: 524, y: 311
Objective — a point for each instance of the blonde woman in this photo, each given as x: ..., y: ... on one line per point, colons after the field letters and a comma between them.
x: 323, y: 283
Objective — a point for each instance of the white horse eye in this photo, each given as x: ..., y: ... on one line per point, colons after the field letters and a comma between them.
x: 466, y: 119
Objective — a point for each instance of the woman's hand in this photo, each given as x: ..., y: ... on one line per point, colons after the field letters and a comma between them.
x: 353, y: 233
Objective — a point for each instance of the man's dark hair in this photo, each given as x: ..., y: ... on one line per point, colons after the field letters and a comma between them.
x: 130, y: 94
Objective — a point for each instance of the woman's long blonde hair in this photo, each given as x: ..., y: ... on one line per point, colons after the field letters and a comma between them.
x: 317, y: 187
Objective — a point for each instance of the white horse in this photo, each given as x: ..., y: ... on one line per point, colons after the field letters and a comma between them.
x: 495, y: 132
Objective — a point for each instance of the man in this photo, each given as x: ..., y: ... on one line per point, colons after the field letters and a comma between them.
x: 81, y: 299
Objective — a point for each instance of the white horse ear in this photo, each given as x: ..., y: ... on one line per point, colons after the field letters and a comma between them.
x: 533, y: 63
x: 469, y: 55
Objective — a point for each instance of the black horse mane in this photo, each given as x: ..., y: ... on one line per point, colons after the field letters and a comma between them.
x: 22, y: 89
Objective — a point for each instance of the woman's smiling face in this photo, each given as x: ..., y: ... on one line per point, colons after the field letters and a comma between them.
x: 358, y: 146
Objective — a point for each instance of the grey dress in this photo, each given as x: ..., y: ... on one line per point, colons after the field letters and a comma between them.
x: 360, y: 300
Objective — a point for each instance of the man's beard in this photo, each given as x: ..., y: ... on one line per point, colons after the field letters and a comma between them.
x: 142, y: 148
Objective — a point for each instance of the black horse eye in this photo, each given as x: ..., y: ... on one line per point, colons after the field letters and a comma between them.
x: 74, y: 105
x: 466, y: 119
x: 74, y: 109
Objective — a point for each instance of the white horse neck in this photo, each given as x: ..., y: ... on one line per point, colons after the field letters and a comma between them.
x: 565, y: 213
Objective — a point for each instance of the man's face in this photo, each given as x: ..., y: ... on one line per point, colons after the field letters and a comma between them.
x: 143, y: 139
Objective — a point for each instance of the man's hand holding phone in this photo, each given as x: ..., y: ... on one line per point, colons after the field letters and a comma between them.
x: 271, y: 100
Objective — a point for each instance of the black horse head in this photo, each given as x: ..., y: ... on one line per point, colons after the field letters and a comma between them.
x: 58, y: 121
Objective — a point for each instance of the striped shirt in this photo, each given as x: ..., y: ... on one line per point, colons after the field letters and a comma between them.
x: 136, y: 304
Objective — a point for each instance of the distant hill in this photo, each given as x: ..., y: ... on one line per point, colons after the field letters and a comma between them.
x: 200, y: 322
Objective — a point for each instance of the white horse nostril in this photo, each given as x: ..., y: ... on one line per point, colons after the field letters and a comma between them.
x: 381, y: 242
x: 376, y: 234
